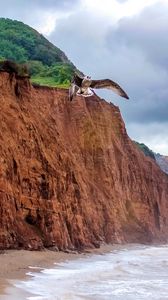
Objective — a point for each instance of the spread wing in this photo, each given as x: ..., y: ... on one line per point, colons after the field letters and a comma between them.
x: 109, y: 84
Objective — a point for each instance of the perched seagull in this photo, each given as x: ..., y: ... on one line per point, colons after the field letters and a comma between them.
x: 82, y: 86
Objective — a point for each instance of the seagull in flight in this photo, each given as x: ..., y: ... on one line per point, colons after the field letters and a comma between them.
x: 83, y: 86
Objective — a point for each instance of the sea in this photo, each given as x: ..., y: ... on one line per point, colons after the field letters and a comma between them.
x: 130, y: 272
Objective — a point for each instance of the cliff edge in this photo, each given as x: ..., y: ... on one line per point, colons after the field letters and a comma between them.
x: 70, y: 177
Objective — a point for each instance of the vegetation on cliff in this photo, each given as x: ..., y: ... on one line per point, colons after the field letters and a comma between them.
x: 47, y: 64
x: 161, y: 160
x: 145, y: 149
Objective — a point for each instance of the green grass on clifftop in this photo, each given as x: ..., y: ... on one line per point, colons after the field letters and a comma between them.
x: 49, y: 81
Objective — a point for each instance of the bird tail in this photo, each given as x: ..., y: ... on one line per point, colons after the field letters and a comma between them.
x: 72, y: 91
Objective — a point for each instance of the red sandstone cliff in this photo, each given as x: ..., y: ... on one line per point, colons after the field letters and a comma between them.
x: 69, y: 174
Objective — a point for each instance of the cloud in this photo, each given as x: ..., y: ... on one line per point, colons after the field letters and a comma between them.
x: 122, y: 1
x: 18, y: 5
x: 81, y: 36
x: 40, y: 14
x: 156, y: 137
x: 145, y: 32
x: 139, y: 46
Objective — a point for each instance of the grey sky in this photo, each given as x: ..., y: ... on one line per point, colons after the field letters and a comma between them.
x: 132, y: 49
x: 19, y: 5
x: 121, y: 1
x: 36, y: 13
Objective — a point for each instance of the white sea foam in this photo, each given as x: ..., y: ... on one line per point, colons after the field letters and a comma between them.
x: 131, y: 273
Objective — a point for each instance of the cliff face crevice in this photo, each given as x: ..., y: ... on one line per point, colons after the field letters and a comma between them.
x: 70, y: 177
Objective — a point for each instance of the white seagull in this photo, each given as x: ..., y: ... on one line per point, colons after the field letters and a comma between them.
x: 83, y: 86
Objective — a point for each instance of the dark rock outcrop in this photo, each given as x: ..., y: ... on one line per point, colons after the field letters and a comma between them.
x: 162, y: 161
x: 70, y: 177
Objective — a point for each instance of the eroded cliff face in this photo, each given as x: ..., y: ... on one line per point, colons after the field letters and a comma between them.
x: 70, y: 177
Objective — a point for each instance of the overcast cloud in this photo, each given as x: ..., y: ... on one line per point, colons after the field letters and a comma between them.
x: 131, y: 49
x: 40, y: 14
x: 121, y: 1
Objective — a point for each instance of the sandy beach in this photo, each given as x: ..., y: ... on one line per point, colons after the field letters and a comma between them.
x: 14, y: 264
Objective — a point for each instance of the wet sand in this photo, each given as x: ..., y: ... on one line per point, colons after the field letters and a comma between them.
x: 14, y: 264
